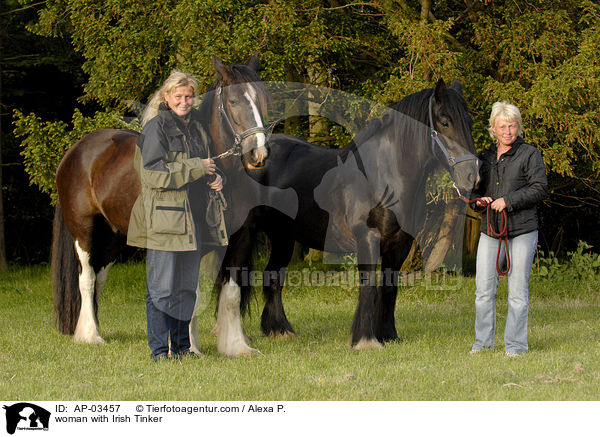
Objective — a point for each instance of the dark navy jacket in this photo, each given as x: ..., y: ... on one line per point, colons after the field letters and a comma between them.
x: 520, y: 177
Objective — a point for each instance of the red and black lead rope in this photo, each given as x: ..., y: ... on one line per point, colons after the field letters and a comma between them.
x: 502, y: 235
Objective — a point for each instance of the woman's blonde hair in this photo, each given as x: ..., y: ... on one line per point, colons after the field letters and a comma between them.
x: 506, y: 112
x: 176, y: 79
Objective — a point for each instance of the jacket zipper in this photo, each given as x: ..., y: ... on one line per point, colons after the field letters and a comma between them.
x: 187, y: 188
x: 496, y: 190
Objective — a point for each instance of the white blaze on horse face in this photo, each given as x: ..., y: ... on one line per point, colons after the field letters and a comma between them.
x: 231, y: 339
x: 87, y: 328
x: 261, y: 139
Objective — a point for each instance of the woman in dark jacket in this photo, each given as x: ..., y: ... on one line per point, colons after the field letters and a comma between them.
x: 172, y: 159
x: 513, y: 178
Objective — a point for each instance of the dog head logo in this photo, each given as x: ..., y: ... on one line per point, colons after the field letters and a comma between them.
x: 26, y: 417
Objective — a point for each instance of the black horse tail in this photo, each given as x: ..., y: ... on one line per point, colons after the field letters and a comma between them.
x: 65, y: 272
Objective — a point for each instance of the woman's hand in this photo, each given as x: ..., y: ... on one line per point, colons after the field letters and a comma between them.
x: 499, y: 204
x: 209, y: 166
x: 484, y: 201
x: 217, y: 183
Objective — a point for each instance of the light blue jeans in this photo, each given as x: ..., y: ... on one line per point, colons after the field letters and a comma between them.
x: 522, y: 251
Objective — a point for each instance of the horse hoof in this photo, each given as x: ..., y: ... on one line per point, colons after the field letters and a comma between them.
x: 240, y: 351
x: 389, y: 339
x: 194, y: 350
x: 250, y: 351
x: 367, y: 344
x: 286, y: 335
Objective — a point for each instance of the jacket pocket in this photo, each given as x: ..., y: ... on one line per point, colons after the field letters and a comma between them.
x: 169, y: 217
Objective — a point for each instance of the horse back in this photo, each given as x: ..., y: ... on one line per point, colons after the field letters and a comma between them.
x: 97, y: 177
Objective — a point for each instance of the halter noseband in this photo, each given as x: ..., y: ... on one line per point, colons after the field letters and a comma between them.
x: 238, y: 138
x: 435, y: 140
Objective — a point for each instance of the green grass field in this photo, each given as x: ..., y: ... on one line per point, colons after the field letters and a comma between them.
x: 431, y: 363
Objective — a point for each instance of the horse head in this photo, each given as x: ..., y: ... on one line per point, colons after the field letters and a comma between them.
x: 451, y: 124
x: 240, y: 100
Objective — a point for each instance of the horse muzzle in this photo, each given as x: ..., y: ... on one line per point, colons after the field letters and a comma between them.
x: 466, y: 175
x: 256, y: 157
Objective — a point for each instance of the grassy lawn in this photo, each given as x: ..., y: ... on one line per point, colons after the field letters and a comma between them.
x: 431, y: 363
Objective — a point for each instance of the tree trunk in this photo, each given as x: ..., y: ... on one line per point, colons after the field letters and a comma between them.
x: 412, y: 262
x: 471, y: 231
x: 444, y: 236
x: 425, y: 10
x: 318, y: 125
x: 293, y: 107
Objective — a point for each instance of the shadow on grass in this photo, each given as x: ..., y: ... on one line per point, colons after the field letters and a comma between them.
x: 124, y: 336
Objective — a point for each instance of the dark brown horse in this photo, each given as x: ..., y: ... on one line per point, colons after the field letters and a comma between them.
x: 97, y: 187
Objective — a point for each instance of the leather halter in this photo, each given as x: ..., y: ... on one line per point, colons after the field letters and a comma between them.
x: 236, y: 149
x: 435, y: 140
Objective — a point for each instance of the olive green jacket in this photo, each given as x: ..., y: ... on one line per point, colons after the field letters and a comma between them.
x: 161, y: 218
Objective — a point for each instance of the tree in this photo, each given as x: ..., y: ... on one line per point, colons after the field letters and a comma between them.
x: 540, y: 55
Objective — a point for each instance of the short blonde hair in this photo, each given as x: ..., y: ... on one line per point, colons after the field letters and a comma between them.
x: 176, y: 79
x: 506, y: 112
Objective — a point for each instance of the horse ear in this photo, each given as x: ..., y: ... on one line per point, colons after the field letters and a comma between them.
x: 440, y: 90
x: 222, y: 70
x: 254, y: 63
x: 457, y: 86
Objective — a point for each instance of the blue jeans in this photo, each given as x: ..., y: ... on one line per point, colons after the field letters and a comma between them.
x: 160, y: 326
x: 522, y: 251
x: 171, y: 283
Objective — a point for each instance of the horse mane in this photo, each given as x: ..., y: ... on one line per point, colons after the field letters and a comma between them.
x: 412, y: 106
x: 416, y: 107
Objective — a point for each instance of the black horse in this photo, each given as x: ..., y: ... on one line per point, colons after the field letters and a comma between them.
x: 367, y: 198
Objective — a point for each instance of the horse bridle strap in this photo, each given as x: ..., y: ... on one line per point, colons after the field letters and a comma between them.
x: 238, y: 138
x: 435, y: 140
x: 233, y: 151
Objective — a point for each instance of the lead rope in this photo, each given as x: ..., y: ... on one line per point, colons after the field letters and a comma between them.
x: 502, y: 235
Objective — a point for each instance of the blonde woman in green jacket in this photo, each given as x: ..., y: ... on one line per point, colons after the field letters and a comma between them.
x: 172, y: 160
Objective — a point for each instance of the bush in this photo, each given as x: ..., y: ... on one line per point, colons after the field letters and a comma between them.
x: 46, y: 143
x: 580, y: 264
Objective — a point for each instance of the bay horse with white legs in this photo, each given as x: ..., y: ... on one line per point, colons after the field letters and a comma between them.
x: 97, y: 187
x: 367, y: 198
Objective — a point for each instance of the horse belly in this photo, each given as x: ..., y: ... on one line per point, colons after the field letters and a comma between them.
x: 318, y: 230
x: 117, y: 207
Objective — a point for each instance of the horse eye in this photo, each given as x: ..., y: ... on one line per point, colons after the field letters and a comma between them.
x: 232, y: 101
x: 444, y: 123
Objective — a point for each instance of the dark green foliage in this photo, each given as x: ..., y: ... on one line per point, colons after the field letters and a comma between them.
x: 542, y: 56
